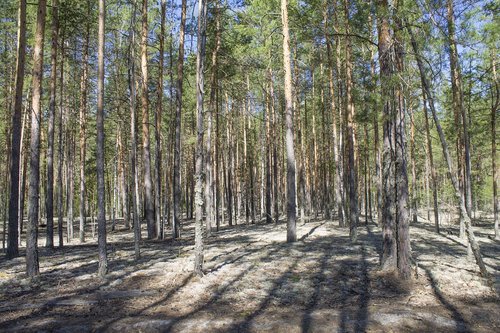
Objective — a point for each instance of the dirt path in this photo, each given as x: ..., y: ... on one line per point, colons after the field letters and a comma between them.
x: 255, y: 282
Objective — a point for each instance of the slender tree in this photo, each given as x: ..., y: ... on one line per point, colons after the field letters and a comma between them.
x: 13, y: 243
x: 474, y: 245
x: 200, y: 76
x: 177, y: 145
x: 101, y: 200
x: 291, y: 209
x: 32, y: 265
x: 49, y: 200
x: 83, y: 125
x: 158, y: 118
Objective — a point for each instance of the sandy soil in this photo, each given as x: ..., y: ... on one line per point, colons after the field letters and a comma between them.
x: 255, y: 282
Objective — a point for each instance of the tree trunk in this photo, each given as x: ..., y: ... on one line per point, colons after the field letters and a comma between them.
x: 291, y: 210
x: 351, y: 159
x: 199, y: 172
x: 338, y: 176
x: 209, y: 187
x: 133, y: 137
x: 146, y: 152
x: 453, y: 176
x: 13, y: 243
x: 49, y: 200
x: 395, y: 220
x: 458, y: 103
x: 101, y: 200
x: 158, y: 116
x: 32, y: 265
x: 494, y: 110
x: 60, y: 153
x: 83, y: 138
x: 177, y: 148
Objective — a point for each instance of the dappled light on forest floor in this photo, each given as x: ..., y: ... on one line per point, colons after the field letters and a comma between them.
x: 254, y: 282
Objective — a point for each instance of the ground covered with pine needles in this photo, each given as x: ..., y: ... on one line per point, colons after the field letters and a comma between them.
x: 256, y: 282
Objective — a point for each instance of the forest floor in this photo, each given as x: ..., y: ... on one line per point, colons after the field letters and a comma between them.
x: 255, y: 282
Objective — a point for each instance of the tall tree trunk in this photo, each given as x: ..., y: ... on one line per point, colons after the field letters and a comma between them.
x: 199, y: 172
x: 338, y: 176
x: 60, y: 153
x: 158, y: 116
x: 414, y: 208
x: 209, y: 187
x: 32, y: 265
x: 178, y: 111
x: 351, y: 158
x: 133, y: 137
x: 458, y: 103
x: 83, y: 138
x: 13, y: 243
x: 494, y: 110
x: 49, y: 200
x: 291, y: 210
x: 431, y: 165
x: 101, y: 200
x: 449, y: 163
x: 146, y: 152
x: 395, y: 220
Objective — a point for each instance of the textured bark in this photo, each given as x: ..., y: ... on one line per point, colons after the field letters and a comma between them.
x: 15, y: 153
x: 146, y: 151
x: 209, y: 186
x: 414, y: 208
x: 83, y: 134
x: 32, y: 265
x: 494, y: 110
x: 395, y: 219
x: 458, y: 103
x: 474, y: 245
x: 133, y: 137
x: 60, y: 153
x: 351, y: 159
x: 291, y: 209
x: 49, y: 200
x: 101, y: 199
x: 177, y: 146
x: 339, y: 188
x: 268, y: 142
x: 158, y: 117
x: 199, y: 170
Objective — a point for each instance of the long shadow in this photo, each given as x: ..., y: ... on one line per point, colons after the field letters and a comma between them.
x: 460, y: 323
x: 174, y: 321
x: 272, y: 293
x: 311, y: 306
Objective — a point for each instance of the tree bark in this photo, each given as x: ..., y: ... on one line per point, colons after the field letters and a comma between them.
x: 199, y: 172
x: 291, y: 210
x: 338, y: 176
x: 146, y: 151
x: 458, y: 103
x: 101, y: 200
x: 351, y: 158
x: 32, y: 265
x: 83, y: 138
x: 494, y: 110
x: 209, y: 187
x: 449, y: 163
x: 133, y: 137
x: 395, y: 219
x: 49, y: 200
x: 158, y: 117
x: 178, y: 111
x: 12, y: 241
x: 60, y: 208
